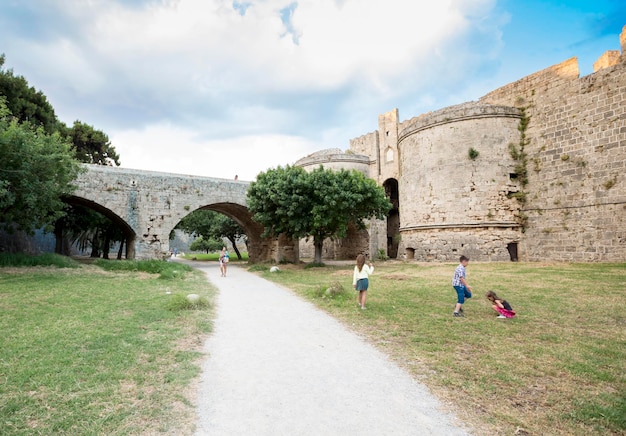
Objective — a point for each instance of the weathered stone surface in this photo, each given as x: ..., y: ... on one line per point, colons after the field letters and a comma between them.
x: 147, y: 206
x: 450, y: 204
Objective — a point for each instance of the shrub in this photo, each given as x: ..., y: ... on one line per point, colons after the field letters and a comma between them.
x: 46, y: 259
x: 258, y: 267
x: 314, y: 265
x: 335, y: 290
x: 179, y: 302
x: 167, y: 270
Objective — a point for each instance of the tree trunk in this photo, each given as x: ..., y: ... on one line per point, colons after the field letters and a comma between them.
x: 58, y: 238
x: 107, y: 245
x: 318, y: 250
x: 234, y: 244
x: 95, y: 252
x: 119, y: 252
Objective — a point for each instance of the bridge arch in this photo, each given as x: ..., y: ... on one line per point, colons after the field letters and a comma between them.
x: 147, y: 205
x: 242, y: 216
x: 127, y: 230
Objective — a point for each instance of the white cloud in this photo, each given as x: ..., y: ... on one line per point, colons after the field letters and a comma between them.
x: 176, y: 84
x: 206, y: 47
x: 177, y: 150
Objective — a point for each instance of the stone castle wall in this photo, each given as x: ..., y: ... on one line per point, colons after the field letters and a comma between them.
x: 573, y: 207
x: 576, y: 194
x: 447, y: 197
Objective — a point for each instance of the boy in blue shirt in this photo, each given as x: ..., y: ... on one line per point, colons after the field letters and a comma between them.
x: 460, y: 285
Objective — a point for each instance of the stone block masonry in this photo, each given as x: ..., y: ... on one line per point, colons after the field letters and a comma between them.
x: 560, y: 198
x: 148, y: 205
x: 576, y: 208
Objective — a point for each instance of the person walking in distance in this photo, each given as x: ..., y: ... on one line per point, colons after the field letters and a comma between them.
x: 224, y: 258
x: 360, y: 278
x: 460, y: 285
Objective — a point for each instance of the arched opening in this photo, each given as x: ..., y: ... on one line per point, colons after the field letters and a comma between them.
x: 207, y: 230
x: 257, y: 247
x: 99, y: 231
x: 393, y: 218
x: 410, y: 253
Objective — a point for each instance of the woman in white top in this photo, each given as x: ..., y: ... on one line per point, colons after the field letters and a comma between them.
x: 360, y: 279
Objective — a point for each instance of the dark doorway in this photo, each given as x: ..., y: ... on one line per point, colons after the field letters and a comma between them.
x: 393, y: 219
x: 512, y: 247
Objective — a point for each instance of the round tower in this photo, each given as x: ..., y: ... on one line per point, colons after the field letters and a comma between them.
x: 457, y: 184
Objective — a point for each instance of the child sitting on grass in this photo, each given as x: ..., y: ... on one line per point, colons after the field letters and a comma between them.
x: 501, y: 306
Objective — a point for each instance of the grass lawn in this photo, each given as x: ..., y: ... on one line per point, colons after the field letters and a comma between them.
x: 90, y: 351
x: 558, y: 367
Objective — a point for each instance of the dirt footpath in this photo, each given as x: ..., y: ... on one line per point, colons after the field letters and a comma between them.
x: 277, y: 365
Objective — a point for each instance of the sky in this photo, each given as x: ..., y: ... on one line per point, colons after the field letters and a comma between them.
x: 220, y: 88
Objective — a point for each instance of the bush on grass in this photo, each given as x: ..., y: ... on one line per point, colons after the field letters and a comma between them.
x: 335, y: 290
x: 258, y: 267
x: 314, y: 265
x: 179, y: 302
x: 46, y: 259
x: 167, y: 270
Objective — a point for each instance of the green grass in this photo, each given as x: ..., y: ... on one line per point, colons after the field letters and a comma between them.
x: 88, y: 351
x: 166, y: 270
x: 557, y: 368
x: 46, y: 259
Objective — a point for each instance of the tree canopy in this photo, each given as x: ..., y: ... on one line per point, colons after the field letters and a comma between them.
x: 211, y: 226
x: 27, y: 104
x: 320, y: 204
x: 36, y: 170
x: 40, y: 158
x: 90, y: 145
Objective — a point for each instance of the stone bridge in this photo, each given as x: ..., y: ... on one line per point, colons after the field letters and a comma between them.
x: 147, y: 205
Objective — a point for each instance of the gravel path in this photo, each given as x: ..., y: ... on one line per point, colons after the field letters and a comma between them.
x: 279, y: 366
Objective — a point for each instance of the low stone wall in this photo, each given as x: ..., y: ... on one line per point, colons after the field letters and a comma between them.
x: 448, y: 244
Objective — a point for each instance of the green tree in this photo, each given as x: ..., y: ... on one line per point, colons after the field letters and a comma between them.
x: 29, y: 105
x: 208, y: 245
x: 36, y: 171
x: 320, y: 204
x: 26, y: 103
x: 211, y: 225
x: 90, y: 145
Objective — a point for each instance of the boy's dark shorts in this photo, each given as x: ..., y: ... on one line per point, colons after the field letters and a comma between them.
x: 462, y: 293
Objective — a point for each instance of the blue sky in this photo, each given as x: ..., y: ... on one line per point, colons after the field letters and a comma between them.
x: 222, y: 87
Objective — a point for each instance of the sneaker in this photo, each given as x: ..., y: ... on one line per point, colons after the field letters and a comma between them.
x: 501, y: 317
x: 458, y: 314
x: 362, y: 307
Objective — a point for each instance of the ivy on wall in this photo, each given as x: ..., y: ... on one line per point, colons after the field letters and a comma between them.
x: 519, y: 155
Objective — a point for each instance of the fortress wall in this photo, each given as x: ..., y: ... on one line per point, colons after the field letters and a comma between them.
x: 388, y: 154
x: 487, y: 244
x: 576, y: 206
x: 368, y: 145
x: 449, y: 203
